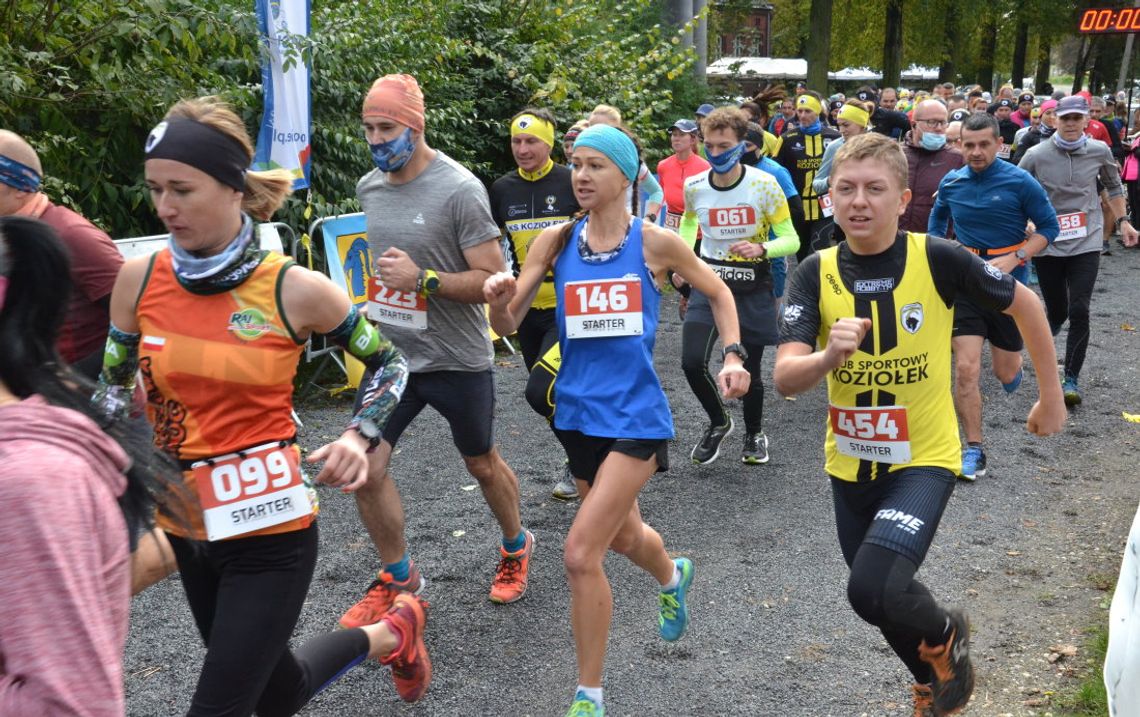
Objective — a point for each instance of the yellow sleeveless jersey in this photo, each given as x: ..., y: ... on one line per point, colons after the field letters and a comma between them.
x: 891, y: 403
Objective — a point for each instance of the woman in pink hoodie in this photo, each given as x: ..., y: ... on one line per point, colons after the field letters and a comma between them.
x: 73, y: 494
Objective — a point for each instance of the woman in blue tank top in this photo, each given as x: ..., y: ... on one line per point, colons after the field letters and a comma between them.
x: 612, y: 416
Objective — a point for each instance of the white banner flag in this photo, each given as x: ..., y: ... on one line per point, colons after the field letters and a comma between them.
x: 284, y: 139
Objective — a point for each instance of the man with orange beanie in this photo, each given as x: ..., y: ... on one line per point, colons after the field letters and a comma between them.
x: 435, y: 243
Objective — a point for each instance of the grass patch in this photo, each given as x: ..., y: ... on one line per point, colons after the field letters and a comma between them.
x: 1089, y: 698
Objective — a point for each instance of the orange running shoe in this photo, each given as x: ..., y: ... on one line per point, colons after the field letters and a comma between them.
x: 950, y: 663
x: 411, y: 666
x: 509, y: 584
x: 380, y: 596
x: 923, y: 700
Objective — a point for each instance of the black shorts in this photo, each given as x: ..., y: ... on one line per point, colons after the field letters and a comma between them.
x: 899, y: 511
x: 586, y: 453
x: 465, y: 398
x: 972, y: 320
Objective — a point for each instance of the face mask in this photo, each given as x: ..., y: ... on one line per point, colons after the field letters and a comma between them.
x: 752, y: 159
x: 391, y: 156
x: 724, y: 162
x: 933, y: 142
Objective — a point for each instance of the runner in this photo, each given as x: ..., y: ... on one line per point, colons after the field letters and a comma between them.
x: 852, y: 120
x: 609, y: 287
x: 928, y: 161
x: 991, y: 203
x: 1047, y: 124
x: 536, y: 195
x: 216, y: 327
x: 568, y: 139
x: 801, y: 152
x: 879, y: 307
x: 77, y: 498
x: 735, y: 206
x: 1068, y: 167
x: 678, y: 167
x: 434, y: 242
x: 754, y: 157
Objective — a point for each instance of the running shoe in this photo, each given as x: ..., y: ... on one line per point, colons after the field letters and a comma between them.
x: 509, y: 584
x: 566, y: 488
x: 973, y: 463
x: 708, y: 450
x: 1071, y: 390
x: 673, y: 618
x: 950, y: 664
x: 411, y: 666
x: 923, y: 700
x: 585, y: 707
x: 755, y: 449
x: 1013, y: 385
x: 380, y: 596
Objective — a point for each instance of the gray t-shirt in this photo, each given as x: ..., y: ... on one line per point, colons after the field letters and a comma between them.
x: 1069, y: 178
x: 434, y: 218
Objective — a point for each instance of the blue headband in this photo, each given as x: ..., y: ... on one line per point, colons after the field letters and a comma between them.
x: 613, y: 143
x: 19, y: 176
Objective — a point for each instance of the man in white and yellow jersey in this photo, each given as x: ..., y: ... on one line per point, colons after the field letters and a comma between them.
x: 536, y: 195
x: 880, y: 307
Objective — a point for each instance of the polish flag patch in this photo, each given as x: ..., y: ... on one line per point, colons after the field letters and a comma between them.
x: 154, y: 343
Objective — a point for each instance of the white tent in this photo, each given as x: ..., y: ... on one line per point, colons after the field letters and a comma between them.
x: 914, y: 72
x: 771, y: 68
x: 851, y: 74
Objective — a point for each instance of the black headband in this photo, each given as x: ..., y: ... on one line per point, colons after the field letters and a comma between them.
x: 200, y: 146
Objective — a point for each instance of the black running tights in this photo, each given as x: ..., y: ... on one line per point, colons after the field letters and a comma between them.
x: 246, y: 595
x: 697, y: 340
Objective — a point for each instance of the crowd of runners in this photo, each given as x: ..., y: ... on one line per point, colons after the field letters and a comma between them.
x: 878, y: 240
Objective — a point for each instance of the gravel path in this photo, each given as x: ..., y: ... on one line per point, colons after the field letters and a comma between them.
x: 1027, y: 550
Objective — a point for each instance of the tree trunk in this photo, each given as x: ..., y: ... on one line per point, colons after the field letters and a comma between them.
x: 893, y: 45
x: 947, y: 71
x: 701, y: 40
x: 1082, y: 63
x: 1041, y: 77
x: 818, y: 49
x: 1020, y: 44
x: 677, y: 13
x: 985, y: 76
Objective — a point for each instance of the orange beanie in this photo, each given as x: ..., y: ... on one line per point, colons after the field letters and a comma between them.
x: 398, y: 98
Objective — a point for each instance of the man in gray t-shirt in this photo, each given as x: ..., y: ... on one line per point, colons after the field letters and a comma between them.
x: 434, y: 244
x: 1068, y: 165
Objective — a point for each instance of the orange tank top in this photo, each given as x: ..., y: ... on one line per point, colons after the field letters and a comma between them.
x: 218, y: 371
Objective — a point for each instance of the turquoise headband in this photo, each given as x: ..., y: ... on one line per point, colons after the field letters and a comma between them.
x: 613, y: 143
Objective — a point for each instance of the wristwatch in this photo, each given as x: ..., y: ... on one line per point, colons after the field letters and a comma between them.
x: 1119, y: 221
x: 734, y: 349
x: 370, y: 432
x: 427, y: 283
x: 1020, y: 254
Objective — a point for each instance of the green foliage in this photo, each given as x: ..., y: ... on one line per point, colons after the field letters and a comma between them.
x: 1089, y: 697
x: 85, y: 82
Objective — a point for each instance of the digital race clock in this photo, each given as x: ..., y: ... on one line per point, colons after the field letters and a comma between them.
x: 1110, y: 20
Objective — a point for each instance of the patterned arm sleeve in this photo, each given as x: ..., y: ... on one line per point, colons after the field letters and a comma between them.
x: 388, y: 365
x: 116, y: 382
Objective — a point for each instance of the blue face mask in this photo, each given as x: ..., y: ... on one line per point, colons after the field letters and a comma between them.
x: 724, y: 162
x: 933, y: 142
x: 392, y: 155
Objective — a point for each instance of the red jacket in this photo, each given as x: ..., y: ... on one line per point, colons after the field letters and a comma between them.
x: 925, y: 171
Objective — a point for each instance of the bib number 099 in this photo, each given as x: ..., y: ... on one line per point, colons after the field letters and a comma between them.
x: 251, y: 476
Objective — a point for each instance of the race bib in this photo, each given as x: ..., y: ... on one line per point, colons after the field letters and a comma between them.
x: 875, y: 434
x: 673, y: 221
x: 1074, y: 225
x: 250, y: 490
x: 405, y: 309
x: 732, y: 222
x: 825, y: 205
x: 597, y: 308
x: 1004, y: 151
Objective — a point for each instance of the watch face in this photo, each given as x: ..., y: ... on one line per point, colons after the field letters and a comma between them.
x: 368, y: 429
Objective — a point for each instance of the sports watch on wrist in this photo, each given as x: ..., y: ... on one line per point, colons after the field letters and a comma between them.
x: 428, y: 282
x: 370, y: 432
x: 1020, y: 254
x: 734, y: 349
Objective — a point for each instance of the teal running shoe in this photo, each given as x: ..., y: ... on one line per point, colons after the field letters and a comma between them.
x: 673, y: 619
x: 585, y: 707
x: 1072, y: 391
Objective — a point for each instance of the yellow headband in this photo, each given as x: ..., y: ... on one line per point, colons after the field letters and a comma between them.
x: 529, y: 124
x: 851, y: 113
x: 809, y: 102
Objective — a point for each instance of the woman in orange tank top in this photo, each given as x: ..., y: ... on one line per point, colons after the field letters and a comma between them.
x: 215, y: 326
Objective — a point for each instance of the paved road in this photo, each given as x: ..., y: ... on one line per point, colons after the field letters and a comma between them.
x: 772, y: 633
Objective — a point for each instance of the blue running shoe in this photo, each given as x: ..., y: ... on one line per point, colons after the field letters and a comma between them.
x: 1071, y: 390
x: 673, y: 619
x: 973, y: 463
x: 585, y: 707
x: 1012, y: 385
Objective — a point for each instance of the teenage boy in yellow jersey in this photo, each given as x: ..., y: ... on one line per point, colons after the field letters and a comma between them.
x: 536, y: 195
x: 880, y: 307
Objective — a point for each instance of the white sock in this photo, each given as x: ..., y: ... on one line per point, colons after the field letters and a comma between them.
x: 594, y: 693
x: 674, y: 581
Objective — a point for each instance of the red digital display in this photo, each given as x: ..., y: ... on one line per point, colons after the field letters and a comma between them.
x: 1109, y: 20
